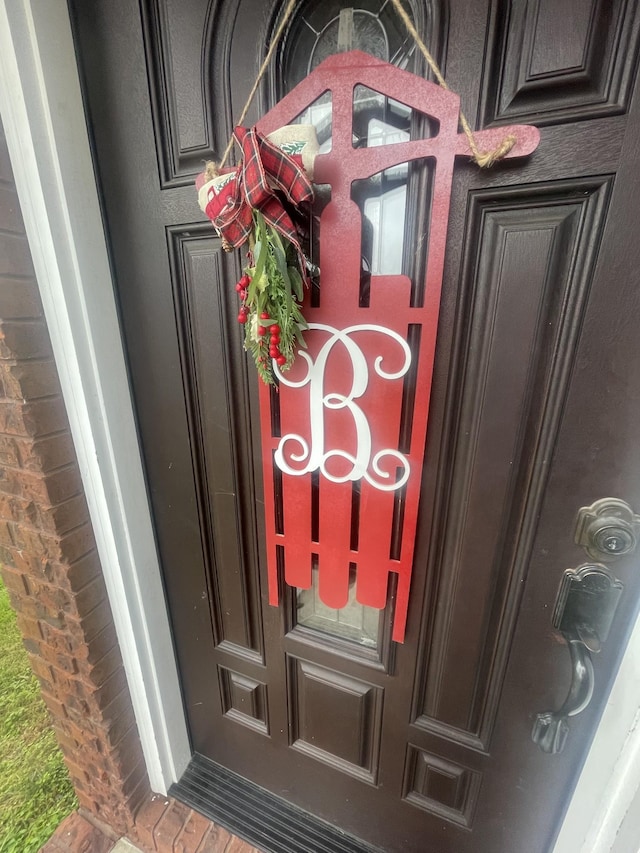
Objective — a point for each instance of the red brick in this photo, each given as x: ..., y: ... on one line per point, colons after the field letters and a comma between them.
x: 65, y: 662
x: 87, y: 802
x: 14, y: 508
x: 164, y: 826
x: 76, y: 708
x: 39, y: 455
x: 56, y: 487
x: 24, y: 339
x: 73, y: 577
x: 79, y: 772
x: 14, y: 580
x: 29, y: 628
x: 12, y: 418
x: 45, y: 597
x: 41, y: 668
x: 52, y: 596
x: 193, y: 831
x: 29, y: 381
x: 30, y: 612
x: 9, y: 452
x: 26, y: 564
x: 60, y: 638
x: 237, y: 845
x: 216, y: 840
x: 35, y: 417
x: 66, y: 743
x: 70, y: 685
x: 100, y: 824
x: 168, y: 828
x: 88, y: 736
x: 77, y: 835
x: 148, y: 816
x: 72, y: 546
x: 56, y: 708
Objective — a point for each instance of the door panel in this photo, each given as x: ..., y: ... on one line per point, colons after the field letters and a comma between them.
x: 547, y: 68
x: 526, y: 284
x: 186, y: 132
x: 205, y: 296
x: 424, y: 746
x: 335, y: 718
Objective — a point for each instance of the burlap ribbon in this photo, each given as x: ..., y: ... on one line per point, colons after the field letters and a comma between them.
x: 266, y: 177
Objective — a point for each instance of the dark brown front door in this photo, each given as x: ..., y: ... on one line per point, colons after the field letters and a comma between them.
x: 424, y: 746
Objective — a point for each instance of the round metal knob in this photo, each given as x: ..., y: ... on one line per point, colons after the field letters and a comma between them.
x: 608, y: 528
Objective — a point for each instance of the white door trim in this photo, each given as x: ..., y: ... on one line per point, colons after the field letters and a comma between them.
x: 41, y: 107
x: 42, y: 112
x: 610, y: 777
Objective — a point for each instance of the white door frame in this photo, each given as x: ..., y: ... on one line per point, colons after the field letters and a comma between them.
x: 42, y: 111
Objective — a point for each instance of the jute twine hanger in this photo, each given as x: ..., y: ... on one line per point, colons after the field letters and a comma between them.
x: 484, y: 159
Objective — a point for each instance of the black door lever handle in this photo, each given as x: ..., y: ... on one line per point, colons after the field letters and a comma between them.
x: 585, y: 607
x: 551, y: 728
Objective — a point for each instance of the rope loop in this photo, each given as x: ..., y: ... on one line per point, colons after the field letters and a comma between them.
x: 484, y: 159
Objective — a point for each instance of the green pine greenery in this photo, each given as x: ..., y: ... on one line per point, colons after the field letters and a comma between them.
x: 35, y: 791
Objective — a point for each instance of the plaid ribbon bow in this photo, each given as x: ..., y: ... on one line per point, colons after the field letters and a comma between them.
x: 264, y: 171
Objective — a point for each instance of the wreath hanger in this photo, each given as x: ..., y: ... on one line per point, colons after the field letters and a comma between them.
x: 343, y: 441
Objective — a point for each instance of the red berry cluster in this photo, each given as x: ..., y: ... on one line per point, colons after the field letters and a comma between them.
x: 241, y: 289
x: 273, y: 331
x: 274, y: 339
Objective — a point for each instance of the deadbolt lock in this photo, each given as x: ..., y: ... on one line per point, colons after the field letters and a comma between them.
x: 607, y: 529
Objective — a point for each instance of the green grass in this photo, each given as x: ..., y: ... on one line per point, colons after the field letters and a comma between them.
x: 35, y: 791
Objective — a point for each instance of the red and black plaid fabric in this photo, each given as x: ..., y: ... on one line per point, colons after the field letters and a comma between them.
x: 264, y: 171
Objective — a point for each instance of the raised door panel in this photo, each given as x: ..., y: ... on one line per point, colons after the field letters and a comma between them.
x: 553, y: 62
x: 335, y: 718
x: 528, y: 270
x: 217, y: 402
x: 244, y: 699
x: 181, y: 97
x: 441, y: 787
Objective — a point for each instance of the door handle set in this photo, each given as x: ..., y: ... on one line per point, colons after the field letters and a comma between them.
x: 584, y: 611
x: 585, y: 607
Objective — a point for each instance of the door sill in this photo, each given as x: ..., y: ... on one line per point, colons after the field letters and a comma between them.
x: 264, y: 820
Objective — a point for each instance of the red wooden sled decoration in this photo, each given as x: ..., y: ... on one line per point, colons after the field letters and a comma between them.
x: 340, y: 407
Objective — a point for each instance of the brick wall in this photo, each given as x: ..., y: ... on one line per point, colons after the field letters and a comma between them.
x: 47, y: 550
